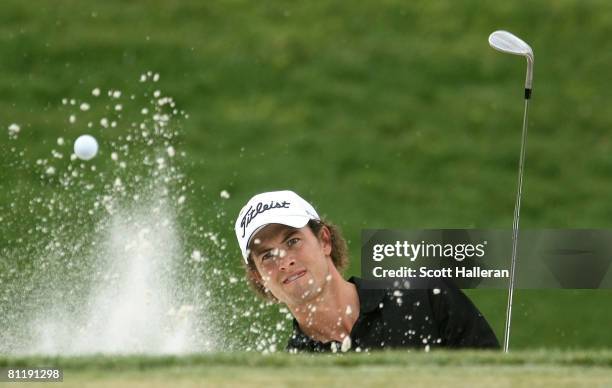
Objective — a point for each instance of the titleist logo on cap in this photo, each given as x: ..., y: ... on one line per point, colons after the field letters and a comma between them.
x: 260, y: 208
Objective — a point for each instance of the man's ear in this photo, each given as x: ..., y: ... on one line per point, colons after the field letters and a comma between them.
x: 326, y: 240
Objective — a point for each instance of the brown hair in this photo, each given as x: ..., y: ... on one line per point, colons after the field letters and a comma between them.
x: 339, y: 256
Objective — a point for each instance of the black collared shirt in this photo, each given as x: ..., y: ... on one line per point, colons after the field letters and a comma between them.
x: 441, y: 316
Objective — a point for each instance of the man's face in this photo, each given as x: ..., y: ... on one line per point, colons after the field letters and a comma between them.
x: 293, y: 263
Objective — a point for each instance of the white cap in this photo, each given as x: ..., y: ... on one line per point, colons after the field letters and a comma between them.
x: 274, y: 207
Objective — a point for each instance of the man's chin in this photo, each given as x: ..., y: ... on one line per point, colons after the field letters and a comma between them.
x: 305, y: 294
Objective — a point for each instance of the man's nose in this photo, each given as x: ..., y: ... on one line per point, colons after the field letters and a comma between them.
x: 286, y: 260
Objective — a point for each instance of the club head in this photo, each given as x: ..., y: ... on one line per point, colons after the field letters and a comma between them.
x: 509, y: 43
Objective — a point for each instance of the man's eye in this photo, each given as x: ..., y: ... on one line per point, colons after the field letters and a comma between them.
x: 293, y: 241
x: 271, y: 254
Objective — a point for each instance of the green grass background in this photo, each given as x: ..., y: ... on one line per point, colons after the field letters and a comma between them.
x: 389, y: 114
x: 539, y: 368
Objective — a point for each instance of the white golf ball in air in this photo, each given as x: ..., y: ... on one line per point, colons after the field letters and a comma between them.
x: 85, y: 147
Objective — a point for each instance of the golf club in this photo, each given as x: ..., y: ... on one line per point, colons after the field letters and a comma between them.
x: 506, y: 42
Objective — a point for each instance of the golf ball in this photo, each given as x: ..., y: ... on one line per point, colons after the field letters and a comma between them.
x: 85, y: 147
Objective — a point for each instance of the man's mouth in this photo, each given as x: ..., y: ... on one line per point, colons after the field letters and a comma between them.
x: 294, y: 276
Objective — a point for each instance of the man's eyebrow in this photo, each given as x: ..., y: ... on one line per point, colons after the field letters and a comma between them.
x: 260, y: 248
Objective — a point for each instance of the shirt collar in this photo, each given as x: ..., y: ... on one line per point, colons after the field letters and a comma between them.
x: 369, y: 298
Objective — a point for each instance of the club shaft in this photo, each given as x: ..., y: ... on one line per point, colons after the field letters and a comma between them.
x: 515, y: 229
